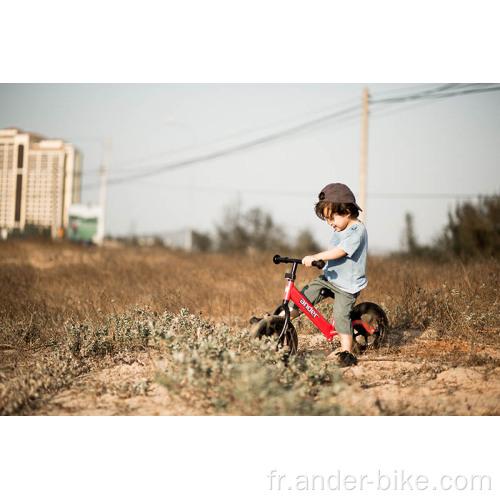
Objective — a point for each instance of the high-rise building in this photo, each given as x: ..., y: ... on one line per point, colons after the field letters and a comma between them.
x: 39, y: 181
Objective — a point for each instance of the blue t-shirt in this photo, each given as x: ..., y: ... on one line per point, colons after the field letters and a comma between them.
x: 348, y: 272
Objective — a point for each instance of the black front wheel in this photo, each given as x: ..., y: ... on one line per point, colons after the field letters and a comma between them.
x: 272, y: 327
x: 373, y: 315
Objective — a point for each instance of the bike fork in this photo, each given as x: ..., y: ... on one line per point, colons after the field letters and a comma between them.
x: 286, y: 298
x: 285, y: 308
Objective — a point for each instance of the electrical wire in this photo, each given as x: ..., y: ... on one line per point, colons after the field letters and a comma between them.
x: 428, y: 95
x: 295, y: 194
x: 406, y: 89
x: 155, y: 169
x: 394, y: 108
x: 311, y: 128
x: 245, y: 133
x: 346, y: 113
x: 237, y: 135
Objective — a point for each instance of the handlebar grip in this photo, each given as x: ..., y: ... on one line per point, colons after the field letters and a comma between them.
x: 278, y: 259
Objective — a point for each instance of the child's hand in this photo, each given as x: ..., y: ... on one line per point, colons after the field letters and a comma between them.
x: 308, y: 260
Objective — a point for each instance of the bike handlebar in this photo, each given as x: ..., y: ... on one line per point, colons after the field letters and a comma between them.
x: 277, y: 259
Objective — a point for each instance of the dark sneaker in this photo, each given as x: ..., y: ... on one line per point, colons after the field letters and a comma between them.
x: 346, y: 359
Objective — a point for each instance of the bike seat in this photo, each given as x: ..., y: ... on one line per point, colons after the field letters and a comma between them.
x: 326, y: 292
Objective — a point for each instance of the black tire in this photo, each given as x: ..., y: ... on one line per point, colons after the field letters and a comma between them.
x: 272, y: 326
x: 375, y: 316
x: 292, y: 339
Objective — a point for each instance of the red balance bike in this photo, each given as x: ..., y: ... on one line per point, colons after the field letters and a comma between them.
x: 368, y: 319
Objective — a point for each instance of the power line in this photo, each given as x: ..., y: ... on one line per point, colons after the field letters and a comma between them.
x: 267, y: 192
x: 428, y: 95
x: 243, y: 133
x: 439, y: 92
x: 148, y: 170
x: 225, y: 152
x: 399, y: 107
x: 351, y: 118
x: 312, y: 127
x: 256, y: 130
x: 406, y: 89
x: 448, y: 196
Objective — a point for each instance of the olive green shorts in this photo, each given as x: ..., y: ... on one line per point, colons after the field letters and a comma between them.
x: 342, y: 305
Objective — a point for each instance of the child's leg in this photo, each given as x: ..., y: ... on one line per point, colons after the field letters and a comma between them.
x: 346, y: 342
x: 342, y: 307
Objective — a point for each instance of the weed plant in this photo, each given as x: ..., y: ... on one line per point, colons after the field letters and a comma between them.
x: 66, y: 309
x: 230, y: 373
x: 456, y: 301
x: 226, y: 372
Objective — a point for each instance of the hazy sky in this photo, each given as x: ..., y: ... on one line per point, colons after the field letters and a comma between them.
x: 415, y: 151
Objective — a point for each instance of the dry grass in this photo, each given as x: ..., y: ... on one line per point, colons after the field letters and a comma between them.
x: 457, y: 301
x: 50, y: 290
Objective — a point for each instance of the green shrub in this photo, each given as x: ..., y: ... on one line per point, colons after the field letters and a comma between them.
x: 231, y: 373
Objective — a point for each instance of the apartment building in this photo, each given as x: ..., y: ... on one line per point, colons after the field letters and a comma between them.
x: 39, y: 181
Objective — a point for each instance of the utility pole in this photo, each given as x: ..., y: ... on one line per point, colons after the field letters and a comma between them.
x: 104, y: 186
x: 364, y: 144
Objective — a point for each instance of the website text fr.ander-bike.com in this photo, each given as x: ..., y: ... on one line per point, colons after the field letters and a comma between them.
x: 396, y: 480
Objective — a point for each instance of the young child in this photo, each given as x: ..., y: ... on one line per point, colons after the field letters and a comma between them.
x: 344, y: 273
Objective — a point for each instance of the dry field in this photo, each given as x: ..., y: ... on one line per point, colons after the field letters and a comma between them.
x: 147, y: 331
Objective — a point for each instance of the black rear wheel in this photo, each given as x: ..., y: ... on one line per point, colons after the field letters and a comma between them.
x: 373, y: 315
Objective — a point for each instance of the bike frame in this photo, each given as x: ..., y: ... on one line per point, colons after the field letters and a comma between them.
x: 327, y: 328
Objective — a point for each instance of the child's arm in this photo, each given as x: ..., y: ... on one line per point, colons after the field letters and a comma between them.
x: 331, y: 254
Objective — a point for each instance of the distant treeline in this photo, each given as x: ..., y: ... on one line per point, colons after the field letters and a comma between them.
x: 473, y: 230
x: 252, y: 230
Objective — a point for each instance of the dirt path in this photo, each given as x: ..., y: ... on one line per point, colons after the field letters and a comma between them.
x: 125, y: 389
x: 402, y: 388
x: 416, y: 376
x: 421, y: 376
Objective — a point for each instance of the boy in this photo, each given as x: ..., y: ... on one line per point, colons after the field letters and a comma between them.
x: 344, y: 273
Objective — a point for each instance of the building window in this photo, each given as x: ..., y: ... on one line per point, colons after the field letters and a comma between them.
x: 19, y: 186
x: 20, y: 156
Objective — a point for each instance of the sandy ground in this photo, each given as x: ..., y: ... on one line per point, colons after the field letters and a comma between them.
x: 414, y: 376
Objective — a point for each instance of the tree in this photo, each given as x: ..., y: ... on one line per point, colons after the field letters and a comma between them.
x: 232, y: 235
x: 409, y: 238
x: 255, y: 229
x: 305, y: 244
x: 474, y: 229
x: 202, y: 241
